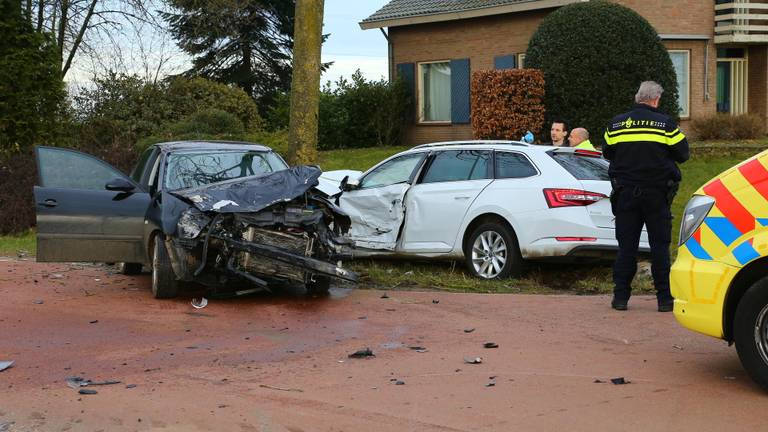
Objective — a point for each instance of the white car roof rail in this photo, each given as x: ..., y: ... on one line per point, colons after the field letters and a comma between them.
x: 473, y: 142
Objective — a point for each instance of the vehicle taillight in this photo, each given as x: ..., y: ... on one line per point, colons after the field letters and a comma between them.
x: 585, y: 152
x: 571, y: 197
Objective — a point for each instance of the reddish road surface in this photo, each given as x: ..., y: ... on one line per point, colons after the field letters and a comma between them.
x: 279, y: 362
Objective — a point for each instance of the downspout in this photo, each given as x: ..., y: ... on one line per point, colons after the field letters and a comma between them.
x: 390, y: 54
x: 706, y: 70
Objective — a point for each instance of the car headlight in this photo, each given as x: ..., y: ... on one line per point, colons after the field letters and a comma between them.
x: 695, y: 211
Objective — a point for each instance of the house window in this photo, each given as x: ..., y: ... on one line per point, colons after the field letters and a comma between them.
x: 521, y: 61
x: 435, y: 92
x: 681, y: 60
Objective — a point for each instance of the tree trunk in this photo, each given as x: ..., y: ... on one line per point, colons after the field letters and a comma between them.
x: 305, y: 83
x: 62, y: 29
x: 40, y: 11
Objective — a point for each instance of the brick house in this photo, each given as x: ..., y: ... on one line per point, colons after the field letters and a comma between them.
x: 719, y: 49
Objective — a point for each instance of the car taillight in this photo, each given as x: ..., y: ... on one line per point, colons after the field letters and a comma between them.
x: 571, y: 197
x: 585, y: 152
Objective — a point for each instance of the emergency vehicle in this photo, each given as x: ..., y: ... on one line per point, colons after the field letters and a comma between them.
x: 720, y: 277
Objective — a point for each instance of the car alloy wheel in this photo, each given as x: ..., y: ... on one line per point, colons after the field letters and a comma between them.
x: 761, y: 334
x: 489, y: 254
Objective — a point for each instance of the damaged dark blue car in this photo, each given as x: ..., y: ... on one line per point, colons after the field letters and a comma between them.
x: 221, y: 214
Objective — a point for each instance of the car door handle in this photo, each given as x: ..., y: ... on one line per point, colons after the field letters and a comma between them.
x: 50, y: 203
x: 461, y: 197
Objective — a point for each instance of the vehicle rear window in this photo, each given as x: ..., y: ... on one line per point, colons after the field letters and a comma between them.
x: 185, y: 170
x: 583, y: 167
x: 513, y: 165
x: 458, y: 165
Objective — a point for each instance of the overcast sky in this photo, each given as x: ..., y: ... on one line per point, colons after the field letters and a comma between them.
x: 348, y: 46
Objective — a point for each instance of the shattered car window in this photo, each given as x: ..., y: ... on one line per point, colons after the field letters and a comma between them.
x: 186, y: 170
x: 398, y: 170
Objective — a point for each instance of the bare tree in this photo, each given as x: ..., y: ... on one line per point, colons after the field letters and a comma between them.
x: 79, y: 24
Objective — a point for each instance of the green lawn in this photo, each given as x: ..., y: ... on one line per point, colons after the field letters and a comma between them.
x: 709, y: 159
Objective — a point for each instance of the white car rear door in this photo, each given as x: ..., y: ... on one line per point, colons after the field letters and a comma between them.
x: 436, y: 205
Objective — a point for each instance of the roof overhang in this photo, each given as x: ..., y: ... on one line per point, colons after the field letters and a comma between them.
x: 469, y: 13
x: 684, y: 37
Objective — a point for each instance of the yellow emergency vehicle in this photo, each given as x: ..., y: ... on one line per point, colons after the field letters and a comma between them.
x: 720, y: 277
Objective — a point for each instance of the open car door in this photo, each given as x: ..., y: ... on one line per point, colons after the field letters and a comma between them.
x: 375, y: 206
x: 87, y: 210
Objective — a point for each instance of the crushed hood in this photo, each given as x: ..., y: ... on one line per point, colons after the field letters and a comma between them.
x: 251, y: 194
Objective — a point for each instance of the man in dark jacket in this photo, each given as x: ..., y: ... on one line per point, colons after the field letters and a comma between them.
x: 644, y: 147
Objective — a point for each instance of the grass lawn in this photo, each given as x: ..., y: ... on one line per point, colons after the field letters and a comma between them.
x: 708, y: 160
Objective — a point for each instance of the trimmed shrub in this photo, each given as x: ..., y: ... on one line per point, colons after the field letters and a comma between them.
x: 594, y: 56
x: 189, y: 95
x: 507, y: 103
x: 726, y: 126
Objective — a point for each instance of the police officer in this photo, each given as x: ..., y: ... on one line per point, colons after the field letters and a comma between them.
x: 643, y: 146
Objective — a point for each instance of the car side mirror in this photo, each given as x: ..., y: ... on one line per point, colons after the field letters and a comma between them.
x: 119, y: 185
x: 349, y: 185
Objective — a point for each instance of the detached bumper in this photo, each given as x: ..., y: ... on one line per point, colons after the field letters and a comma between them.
x: 699, y: 288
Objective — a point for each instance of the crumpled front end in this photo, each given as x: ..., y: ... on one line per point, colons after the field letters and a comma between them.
x: 241, y: 231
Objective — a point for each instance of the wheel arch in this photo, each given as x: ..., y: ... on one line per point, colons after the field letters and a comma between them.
x: 747, y: 276
x: 481, y: 219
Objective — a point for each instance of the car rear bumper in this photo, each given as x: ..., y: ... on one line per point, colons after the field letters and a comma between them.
x: 699, y: 288
x: 599, y: 248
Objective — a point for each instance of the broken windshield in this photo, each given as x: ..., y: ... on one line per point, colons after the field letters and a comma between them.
x: 186, y: 170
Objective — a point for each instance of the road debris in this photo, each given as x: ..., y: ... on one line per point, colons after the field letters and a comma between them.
x: 396, y: 381
x: 469, y: 330
x: 620, y: 381
x: 384, y: 296
x: 473, y: 360
x: 5, y: 365
x: 93, y: 322
x: 281, y: 388
x: 677, y: 347
x: 490, y: 345
x: 491, y: 384
x: 38, y: 301
x: 598, y: 381
x: 130, y: 386
x: 87, y: 392
x: 363, y: 353
x: 199, y: 304
x: 6, y: 426
x: 435, y: 301
x: 76, y: 382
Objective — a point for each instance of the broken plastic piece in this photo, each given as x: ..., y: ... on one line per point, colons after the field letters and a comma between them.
x: 363, y: 353
x: 469, y: 330
x: 473, y: 360
x: 490, y: 384
x: 87, y: 392
x: 199, y: 304
x: 38, y: 301
x: 399, y: 382
x: 619, y: 381
x: 490, y: 345
x: 5, y: 365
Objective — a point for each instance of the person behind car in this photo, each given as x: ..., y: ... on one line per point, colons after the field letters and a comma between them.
x: 558, y: 133
x: 644, y: 147
x: 579, y: 138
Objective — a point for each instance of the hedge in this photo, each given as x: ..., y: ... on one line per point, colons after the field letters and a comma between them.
x: 507, y: 103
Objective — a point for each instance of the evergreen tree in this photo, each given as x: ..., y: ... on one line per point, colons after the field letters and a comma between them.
x: 594, y: 56
x: 31, y: 88
x: 241, y: 42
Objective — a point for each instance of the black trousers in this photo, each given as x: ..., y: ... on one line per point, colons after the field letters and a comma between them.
x: 633, y: 207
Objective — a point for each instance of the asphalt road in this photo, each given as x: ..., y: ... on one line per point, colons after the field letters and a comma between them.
x: 280, y: 362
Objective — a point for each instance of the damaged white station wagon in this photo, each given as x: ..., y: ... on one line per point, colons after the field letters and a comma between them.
x: 494, y: 204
